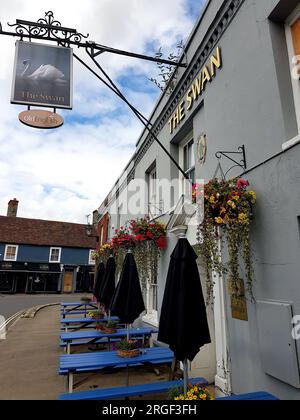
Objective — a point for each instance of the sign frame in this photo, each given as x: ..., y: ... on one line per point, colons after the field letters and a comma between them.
x: 29, y: 103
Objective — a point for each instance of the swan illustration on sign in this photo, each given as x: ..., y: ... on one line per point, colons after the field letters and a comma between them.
x: 46, y: 72
x: 42, y: 75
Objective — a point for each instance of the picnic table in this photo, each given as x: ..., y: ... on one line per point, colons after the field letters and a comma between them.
x: 76, y: 324
x: 78, y: 308
x: 72, y: 364
x: 96, y: 337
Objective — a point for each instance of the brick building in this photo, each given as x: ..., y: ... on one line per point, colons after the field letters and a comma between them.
x: 42, y: 256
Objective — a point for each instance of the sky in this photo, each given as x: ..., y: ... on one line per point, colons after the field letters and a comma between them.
x: 66, y: 173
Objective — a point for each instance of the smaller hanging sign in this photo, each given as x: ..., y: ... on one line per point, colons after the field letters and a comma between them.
x: 202, y: 149
x: 41, y: 119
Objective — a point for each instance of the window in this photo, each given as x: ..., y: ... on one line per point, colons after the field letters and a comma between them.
x: 293, y: 42
x: 11, y: 253
x: 152, y: 304
x: 189, y: 159
x: 92, y: 260
x: 55, y: 254
x: 153, y: 204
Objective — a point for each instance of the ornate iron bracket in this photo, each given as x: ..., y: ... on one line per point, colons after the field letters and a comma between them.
x: 241, y: 151
x: 49, y: 29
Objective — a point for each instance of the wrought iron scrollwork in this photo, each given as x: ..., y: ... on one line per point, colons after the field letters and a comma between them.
x: 237, y: 164
x: 47, y: 28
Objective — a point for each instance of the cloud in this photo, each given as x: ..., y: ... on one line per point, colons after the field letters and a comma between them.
x: 66, y: 173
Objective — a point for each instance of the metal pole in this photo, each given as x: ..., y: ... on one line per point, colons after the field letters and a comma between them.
x: 185, y: 376
x: 135, y: 111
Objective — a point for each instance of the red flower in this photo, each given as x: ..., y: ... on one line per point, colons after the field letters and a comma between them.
x: 149, y: 235
x: 161, y: 242
x: 140, y: 238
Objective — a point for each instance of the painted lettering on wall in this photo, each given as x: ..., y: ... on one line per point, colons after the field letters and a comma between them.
x: 206, y: 75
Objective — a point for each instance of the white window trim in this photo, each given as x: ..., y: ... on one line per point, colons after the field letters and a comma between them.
x: 151, y: 316
x: 91, y: 261
x: 50, y: 254
x: 16, y: 256
x: 296, y: 83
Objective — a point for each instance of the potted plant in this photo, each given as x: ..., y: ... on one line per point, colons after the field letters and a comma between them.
x: 97, y: 315
x: 196, y: 392
x: 128, y: 348
x: 109, y: 327
x: 86, y: 300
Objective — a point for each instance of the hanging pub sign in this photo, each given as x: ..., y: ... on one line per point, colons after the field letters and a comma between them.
x: 39, y: 118
x: 43, y: 75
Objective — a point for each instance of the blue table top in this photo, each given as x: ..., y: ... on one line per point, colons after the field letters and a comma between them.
x: 66, y: 304
x: 96, y: 361
x: 85, y: 320
x: 81, y: 335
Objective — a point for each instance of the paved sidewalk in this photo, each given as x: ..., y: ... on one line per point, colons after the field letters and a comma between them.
x: 29, y: 359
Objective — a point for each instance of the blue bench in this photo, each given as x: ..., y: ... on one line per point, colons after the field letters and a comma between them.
x: 128, y: 391
x: 255, y: 396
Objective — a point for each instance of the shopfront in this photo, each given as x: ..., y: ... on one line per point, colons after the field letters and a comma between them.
x: 18, y: 277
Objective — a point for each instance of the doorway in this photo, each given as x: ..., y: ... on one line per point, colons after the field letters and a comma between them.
x: 21, y: 283
x: 68, y: 282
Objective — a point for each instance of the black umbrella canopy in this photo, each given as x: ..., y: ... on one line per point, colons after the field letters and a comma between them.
x: 99, y: 281
x: 109, y: 283
x: 86, y: 279
x: 128, y: 303
x: 183, y: 320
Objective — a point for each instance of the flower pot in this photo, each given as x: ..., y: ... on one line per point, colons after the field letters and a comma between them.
x: 109, y: 330
x: 128, y: 353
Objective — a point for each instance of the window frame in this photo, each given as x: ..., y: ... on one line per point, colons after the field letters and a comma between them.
x: 59, y: 255
x: 290, y: 44
x: 16, y: 254
x: 183, y: 146
x: 152, y: 199
x: 151, y: 316
x: 91, y: 260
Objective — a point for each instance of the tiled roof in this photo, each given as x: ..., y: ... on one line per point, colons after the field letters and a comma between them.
x: 17, y: 231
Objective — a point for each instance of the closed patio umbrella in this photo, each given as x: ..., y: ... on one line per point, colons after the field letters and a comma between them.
x: 183, y: 320
x: 86, y: 279
x: 109, y: 283
x: 99, y: 281
x: 128, y: 303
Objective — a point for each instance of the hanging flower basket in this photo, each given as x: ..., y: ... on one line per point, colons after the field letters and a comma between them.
x: 146, y: 239
x: 228, y: 213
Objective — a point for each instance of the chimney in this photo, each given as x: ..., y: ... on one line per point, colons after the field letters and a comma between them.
x: 12, y: 209
x: 95, y: 217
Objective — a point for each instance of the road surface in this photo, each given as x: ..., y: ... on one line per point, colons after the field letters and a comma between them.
x: 11, y: 304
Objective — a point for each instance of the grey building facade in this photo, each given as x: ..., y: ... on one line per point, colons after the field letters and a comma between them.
x: 240, y: 88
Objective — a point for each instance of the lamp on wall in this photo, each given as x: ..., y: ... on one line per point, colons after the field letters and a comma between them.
x: 89, y: 229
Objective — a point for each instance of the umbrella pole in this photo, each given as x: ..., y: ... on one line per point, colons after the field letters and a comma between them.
x: 185, y: 376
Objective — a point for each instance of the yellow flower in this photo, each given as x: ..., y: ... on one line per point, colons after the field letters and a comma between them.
x: 219, y: 220
x: 236, y: 197
x: 231, y: 204
x: 243, y: 218
x: 212, y: 200
x: 253, y: 196
x: 203, y: 397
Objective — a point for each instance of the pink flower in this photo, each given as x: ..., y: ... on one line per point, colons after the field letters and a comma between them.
x: 242, y: 184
